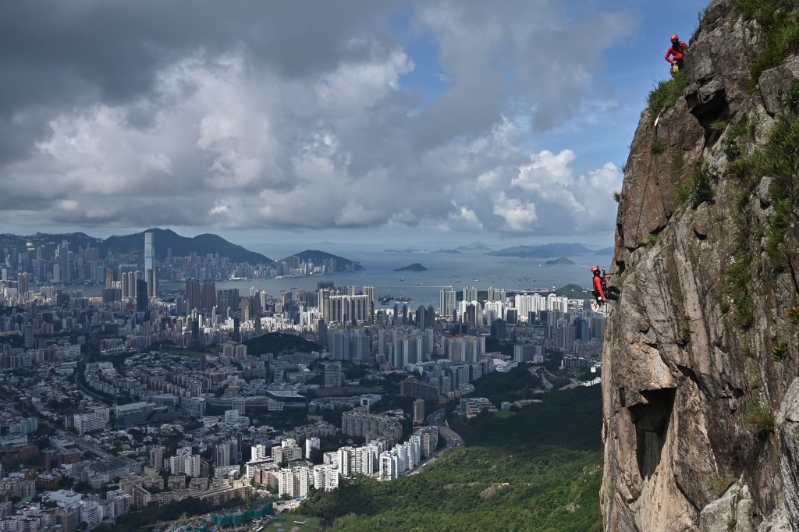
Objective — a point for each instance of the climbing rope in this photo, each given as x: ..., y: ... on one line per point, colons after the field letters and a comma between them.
x: 647, y: 172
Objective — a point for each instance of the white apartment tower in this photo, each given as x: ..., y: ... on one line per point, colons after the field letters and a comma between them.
x: 325, y: 477
x: 447, y: 303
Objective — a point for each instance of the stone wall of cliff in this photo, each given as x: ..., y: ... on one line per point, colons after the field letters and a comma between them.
x: 700, y: 366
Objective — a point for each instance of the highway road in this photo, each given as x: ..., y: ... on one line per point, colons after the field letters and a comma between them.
x: 452, y: 438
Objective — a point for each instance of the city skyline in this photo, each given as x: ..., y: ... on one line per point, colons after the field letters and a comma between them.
x: 395, y: 121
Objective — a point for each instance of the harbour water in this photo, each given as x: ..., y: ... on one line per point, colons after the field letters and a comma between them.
x: 443, y: 271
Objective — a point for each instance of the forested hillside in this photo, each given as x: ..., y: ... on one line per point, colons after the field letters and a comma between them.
x: 537, y: 469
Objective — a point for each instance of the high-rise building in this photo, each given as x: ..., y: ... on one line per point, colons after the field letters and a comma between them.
x: 470, y: 294
x: 150, y: 273
x: 332, y: 375
x: 192, y: 466
x: 371, y: 295
x: 447, y: 303
x: 141, y: 296
x: 321, y: 330
x: 208, y: 296
x: 23, y: 283
x: 67, y: 519
x: 109, y: 278
x: 421, y: 317
x: 227, y: 301
x: 129, y: 280
x: 157, y: 458
x: 63, y: 257
x: 223, y: 454
x: 193, y: 295
x: 497, y: 294
x: 499, y: 330
x: 418, y: 411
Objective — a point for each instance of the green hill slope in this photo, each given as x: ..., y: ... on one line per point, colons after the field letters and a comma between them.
x: 535, y: 470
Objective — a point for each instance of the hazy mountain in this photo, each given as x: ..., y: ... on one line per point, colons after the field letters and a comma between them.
x: 543, y: 251
x: 134, y: 244
x: 182, y: 246
x: 477, y: 246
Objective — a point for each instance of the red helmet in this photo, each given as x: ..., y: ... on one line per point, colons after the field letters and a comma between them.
x: 594, y: 269
x: 675, y: 38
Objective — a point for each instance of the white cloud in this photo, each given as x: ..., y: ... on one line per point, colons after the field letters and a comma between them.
x: 518, y: 216
x: 158, y: 162
x: 233, y: 133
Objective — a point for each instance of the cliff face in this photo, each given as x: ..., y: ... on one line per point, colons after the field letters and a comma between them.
x: 700, y: 388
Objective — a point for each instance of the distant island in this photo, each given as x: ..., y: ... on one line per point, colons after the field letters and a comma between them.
x: 477, y: 246
x: 415, y: 267
x: 406, y: 250
x: 448, y: 251
x: 318, y: 257
x: 573, y: 291
x: 543, y: 252
x: 561, y: 260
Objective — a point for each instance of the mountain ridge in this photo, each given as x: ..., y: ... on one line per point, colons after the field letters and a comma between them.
x: 134, y: 244
x: 543, y: 251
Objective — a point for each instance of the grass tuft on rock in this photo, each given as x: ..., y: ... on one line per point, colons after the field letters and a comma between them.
x: 759, y: 417
x: 665, y: 94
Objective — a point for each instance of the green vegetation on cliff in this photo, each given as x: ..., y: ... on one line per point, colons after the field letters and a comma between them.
x: 536, y: 470
x: 778, y: 160
x: 665, y: 94
x: 779, y: 20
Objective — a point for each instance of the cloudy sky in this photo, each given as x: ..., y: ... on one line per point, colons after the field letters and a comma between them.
x: 346, y: 120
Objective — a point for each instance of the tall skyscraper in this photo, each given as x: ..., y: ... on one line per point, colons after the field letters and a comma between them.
x: 141, y: 296
x: 322, y: 333
x: 421, y: 318
x: 418, y: 411
x: 63, y: 256
x: 23, y: 283
x: 369, y: 291
x: 129, y: 280
x: 193, y: 295
x: 150, y: 273
x: 208, y: 295
x: 470, y: 294
x: 447, y: 303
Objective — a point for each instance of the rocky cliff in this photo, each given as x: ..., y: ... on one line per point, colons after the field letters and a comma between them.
x: 700, y: 367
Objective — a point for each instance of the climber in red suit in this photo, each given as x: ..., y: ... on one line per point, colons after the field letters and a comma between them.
x: 676, y: 52
x: 602, y: 292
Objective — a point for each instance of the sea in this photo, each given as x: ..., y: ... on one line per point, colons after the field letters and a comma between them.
x: 443, y: 271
